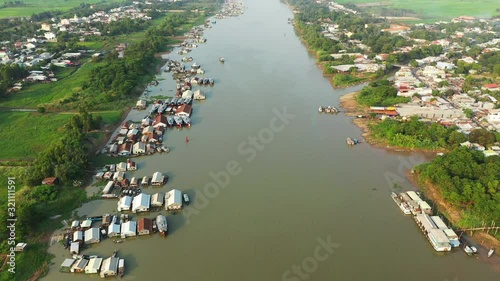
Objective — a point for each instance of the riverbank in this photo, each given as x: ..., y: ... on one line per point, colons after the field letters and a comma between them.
x: 452, y: 213
x: 351, y: 107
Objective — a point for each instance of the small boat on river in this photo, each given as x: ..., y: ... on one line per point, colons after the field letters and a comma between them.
x: 222, y: 60
x: 491, y: 252
x: 161, y: 224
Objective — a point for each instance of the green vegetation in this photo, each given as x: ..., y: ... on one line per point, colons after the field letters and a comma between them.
x: 469, y: 181
x: 31, y: 7
x: 439, y: 10
x: 34, y: 207
x: 416, y: 134
x: 343, y: 80
x: 380, y: 93
x: 28, y: 133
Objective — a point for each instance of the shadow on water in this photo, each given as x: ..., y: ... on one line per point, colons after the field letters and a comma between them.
x: 175, y: 221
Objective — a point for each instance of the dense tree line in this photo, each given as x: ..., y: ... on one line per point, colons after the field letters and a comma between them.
x: 9, y: 74
x: 66, y: 158
x: 468, y: 180
x: 413, y: 133
x: 491, y: 62
x: 118, y: 76
x: 380, y: 93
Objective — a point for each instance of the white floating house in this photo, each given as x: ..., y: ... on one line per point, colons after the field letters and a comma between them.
x: 118, y: 176
x: 109, y: 267
x: 75, y: 224
x: 141, y: 203
x: 78, y: 236
x: 93, y: 266
x: 133, y: 182
x: 74, y: 248
x: 113, y: 230
x: 198, y: 95
x: 173, y: 200
x: 157, y: 199
x: 158, y: 179
x: 109, y: 186
x: 124, y: 203
x: 92, y: 235
x: 86, y: 224
x: 121, y: 167
x: 67, y: 264
x: 129, y: 229
x: 145, y: 181
x: 79, y: 265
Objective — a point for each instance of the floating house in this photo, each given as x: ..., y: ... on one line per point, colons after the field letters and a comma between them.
x: 66, y: 265
x: 131, y: 166
x: 121, y: 167
x: 74, y: 248
x: 141, y: 203
x: 133, y: 182
x: 109, y: 267
x: 129, y: 229
x: 113, y: 230
x: 144, y: 226
x: 118, y: 176
x: 124, y: 203
x: 86, y: 224
x: 92, y: 235
x: 158, y: 179
x: 145, y: 181
x: 79, y: 265
x: 157, y: 199
x: 173, y: 200
x: 109, y: 186
x: 139, y: 148
x: 198, y: 95
x: 78, y: 236
x: 93, y: 266
x: 75, y: 224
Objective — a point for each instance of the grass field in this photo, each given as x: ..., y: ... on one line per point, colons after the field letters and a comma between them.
x: 441, y: 9
x: 24, y: 134
x: 38, y: 6
x: 37, y: 94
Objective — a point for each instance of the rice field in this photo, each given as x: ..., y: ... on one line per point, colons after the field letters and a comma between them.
x: 439, y: 9
x: 37, y: 6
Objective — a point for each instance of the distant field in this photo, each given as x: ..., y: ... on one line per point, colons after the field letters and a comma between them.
x: 37, y: 6
x: 24, y: 134
x: 37, y: 94
x: 441, y: 9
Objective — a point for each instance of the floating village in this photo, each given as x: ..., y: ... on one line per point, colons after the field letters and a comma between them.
x: 440, y: 236
x: 139, y: 213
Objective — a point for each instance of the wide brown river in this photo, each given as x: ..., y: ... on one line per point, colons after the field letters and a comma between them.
x: 277, y: 194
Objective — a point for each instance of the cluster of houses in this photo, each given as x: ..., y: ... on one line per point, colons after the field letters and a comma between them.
x: 441, y: 237
x: 143, y: 202
x: 112, y: 266
x: 490, y: 151
x: 139, y: 139
x: 84, y: 26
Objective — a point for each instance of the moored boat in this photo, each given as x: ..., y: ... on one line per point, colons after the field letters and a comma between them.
x: 178, y: 121
x: 170, y: 121
x: 195, y: 66
x: 490, y: 252
x: 121, y: 267
x: 186, y: 120
x: 320, y: 109
x: 211, y: 81
x: 161, y: 224
x: 350, y: 141
x: 185, y: 198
